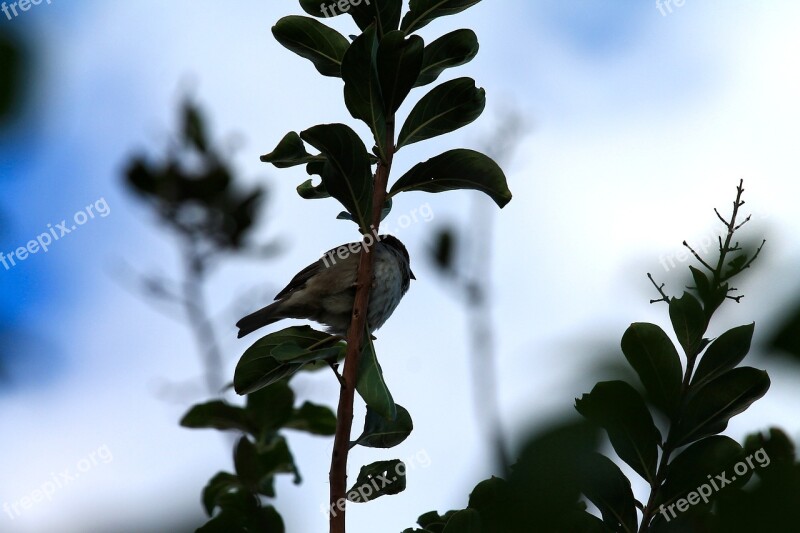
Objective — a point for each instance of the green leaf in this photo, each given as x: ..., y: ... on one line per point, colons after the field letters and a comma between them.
x: 727, y: 351
x: 256, y: 371
x: 712, y: 297
x: 691, y: 469
x: 606, y: 486
x: 347, y: 174
x: 382, y: 433
x: 310, y: 192
x: 650, y: 352
x: 382, y: 478
x: 314, y: 419
x: 371, y: 385
x: 314, y: 8
x: 245, y: 517
x: 270, y: 407
x: 446, y: 108
x: 434, y: 522
x: 450, y: 50
x: 710, y: 408
x: 422, y: 12
x: 256, y: 467
x: 399, y: 61
x: 465, y: 521
x: 454, y: 170
x: 260, y: 367
x: 221, y: 484
x: 386, y: 12
x: 291, y: 152
x: 619, y: 409
x: 701, y: 282
x: 308, y: 38
x: 216, y: 415
x: 489, y: 497
x: 362, y: 92
x: 688, y: 321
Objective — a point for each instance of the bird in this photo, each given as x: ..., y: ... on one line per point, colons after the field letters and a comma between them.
x: 325, y: 290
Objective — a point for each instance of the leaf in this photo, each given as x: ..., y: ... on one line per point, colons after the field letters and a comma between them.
x: 727, y: 351
x: 260, y: 367
x: 308, y: 38
x: 433, y: 521
x: 270, y: 407
x: 314, y: 419
x: 688, y: 321
x: 422, y: 12
x: 455, y: 170
x: 290, y: 152
x: 245, y: 519
x: 371, y: 385
x: 347, y: 175
x: 697, y: 465
x: 450, y: 50
x: 362, y: 92
x: 221, y: 484
x: 607, y: 487
x: 310, y: 192
x: 711, y: 407
x: 256, y: 467
x: 702, y: 284
x: 386, y: 12
x: 382, y: 433
x: 465, y: 521
x: 446, y: 108
x: 619, y: 409
x: 653, y: 356
x: 216, y: 415
x: 399, y: 61
x: 489, y: 497
x: 382, y: 478
x: 255, y: 372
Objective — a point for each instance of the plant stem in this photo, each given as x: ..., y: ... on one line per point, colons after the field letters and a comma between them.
x: 199, y: 321
x: 668, y: 448
x: 355, y: 338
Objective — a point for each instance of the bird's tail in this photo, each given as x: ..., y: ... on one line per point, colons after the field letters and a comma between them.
x: 263, y: 317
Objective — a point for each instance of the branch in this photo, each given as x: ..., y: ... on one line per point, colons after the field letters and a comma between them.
x: 355, y: 338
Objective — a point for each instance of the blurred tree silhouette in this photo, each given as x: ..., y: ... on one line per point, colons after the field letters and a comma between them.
x: 194, y: 192
x: 463, y: 256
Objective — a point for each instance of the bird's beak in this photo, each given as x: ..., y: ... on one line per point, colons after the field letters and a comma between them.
x: 412, y: 274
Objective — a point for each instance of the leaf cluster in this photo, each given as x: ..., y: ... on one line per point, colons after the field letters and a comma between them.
x: 193, y: 190
x: 261, y: 453
x: 379, y: 69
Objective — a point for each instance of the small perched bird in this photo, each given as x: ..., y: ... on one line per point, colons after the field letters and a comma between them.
x: 324, y: 291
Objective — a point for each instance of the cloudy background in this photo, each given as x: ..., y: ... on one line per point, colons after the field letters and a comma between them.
x: 639, y: 123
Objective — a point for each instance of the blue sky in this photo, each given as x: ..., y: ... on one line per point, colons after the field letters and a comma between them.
x: 640, y: 124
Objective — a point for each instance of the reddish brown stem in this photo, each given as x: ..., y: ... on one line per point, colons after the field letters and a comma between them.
x: 355, y: 339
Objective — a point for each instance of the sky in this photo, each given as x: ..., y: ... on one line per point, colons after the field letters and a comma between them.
x: 639, y: 123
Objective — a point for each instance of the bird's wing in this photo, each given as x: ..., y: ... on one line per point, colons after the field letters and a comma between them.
x: 300, y: 279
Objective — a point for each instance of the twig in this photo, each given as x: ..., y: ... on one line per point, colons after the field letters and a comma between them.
x: 697, y: 256
x: 660, y: 289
